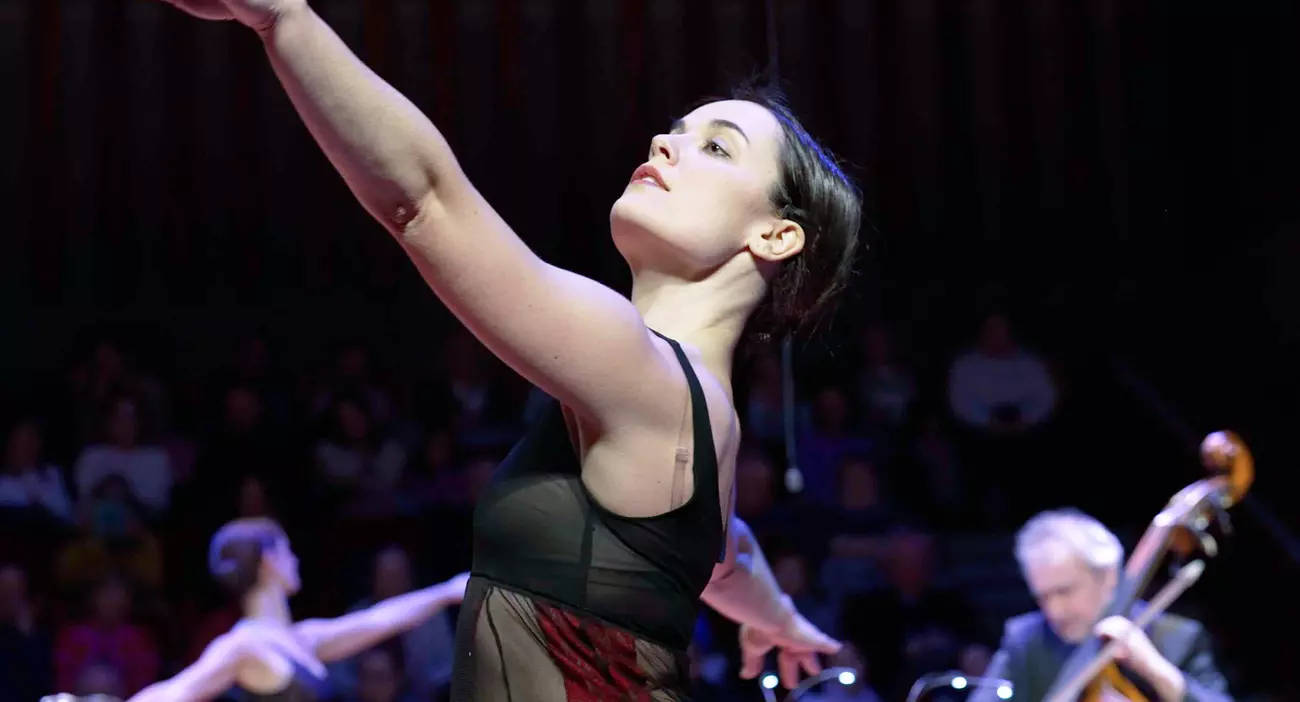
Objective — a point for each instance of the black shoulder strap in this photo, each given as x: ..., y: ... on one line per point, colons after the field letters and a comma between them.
x: 704, y: 467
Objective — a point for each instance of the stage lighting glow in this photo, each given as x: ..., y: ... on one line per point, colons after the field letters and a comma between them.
x: 769, y: 681
x: 1004, y: 692
x: 848, y: 678
x: 959, y: 683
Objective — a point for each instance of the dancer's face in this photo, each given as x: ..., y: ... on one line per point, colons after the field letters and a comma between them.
x: 283, y: 566
x: 718, y: 166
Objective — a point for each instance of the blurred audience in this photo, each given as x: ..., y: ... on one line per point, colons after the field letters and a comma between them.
x: 914, y: 625
x: 27, y: 482
x: 422, y: 656
x: 105, y: 651
x: 26, y: 664
x: 885, y: 387
x: 146, y: 469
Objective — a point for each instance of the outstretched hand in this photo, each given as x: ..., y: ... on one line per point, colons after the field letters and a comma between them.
x: 256, y: 14
x: 453, y: 589
x: 798, y: 645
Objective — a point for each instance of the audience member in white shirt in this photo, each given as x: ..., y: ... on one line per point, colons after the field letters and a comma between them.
x: 25, y: 481
x: 356, y: 456
x: 146, y: 469
x: 998, y: 386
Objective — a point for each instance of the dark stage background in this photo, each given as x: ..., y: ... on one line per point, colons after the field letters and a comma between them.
x: 1120, y: 174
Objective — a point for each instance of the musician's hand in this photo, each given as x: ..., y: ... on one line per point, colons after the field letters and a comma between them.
x: 798, y: 644
x: 1136, y: 651
x: 1133, y: 648
x: 256, y: 14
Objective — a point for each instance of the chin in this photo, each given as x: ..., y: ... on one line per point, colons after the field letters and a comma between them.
x: 1072, y: 637
x: 630, y: 226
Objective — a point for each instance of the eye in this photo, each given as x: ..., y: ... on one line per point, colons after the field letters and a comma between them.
x: 716, y: 149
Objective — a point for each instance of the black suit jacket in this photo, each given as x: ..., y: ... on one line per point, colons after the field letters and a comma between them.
x: 1031, y: 656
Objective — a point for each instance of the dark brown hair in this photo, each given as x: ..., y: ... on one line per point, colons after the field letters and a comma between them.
x: 813, y: 191
x: 235, y: 554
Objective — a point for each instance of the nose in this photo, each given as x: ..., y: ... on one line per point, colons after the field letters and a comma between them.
x: 662, y: 147
x: 1054, y: 610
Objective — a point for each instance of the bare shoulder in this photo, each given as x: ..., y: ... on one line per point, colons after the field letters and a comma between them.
x: 636, y: 468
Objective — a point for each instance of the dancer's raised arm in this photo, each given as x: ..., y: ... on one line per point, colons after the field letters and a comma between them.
x: 576, y: 339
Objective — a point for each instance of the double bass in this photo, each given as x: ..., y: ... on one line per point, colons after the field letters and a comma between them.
x: 1182, y: 527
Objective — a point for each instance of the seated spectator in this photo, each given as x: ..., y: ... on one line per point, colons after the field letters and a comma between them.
x: 998, y: 387
x: 764, y: 409
x: 469, y: 395
x: 830, y: 438
x: 26, y: 665
x: 27, y: 482
x: 246, y: 442
x: 757, y: 489
x: 885, y: 389
x: 146, y: 469
x: 932, y: 475
x: 913, y: 626
x: 426, y: 651
x: 353, y: 378
x: 99, y: 377
x: 112, y: 538
x: 358, y: 462
x: 381, y: 678
x: 100, y: 679
x: 856, y: 530
x: 107, y: 637
x: 433, y: 477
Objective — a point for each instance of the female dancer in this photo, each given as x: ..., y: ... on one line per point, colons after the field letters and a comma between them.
x: 267, y: 654
x: 605, y: 527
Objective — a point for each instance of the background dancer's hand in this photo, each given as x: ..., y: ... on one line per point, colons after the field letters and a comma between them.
x: 798, y: 644
x: 255, y: 14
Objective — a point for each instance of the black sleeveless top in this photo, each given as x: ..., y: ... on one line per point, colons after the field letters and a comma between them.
x: 571, y: 602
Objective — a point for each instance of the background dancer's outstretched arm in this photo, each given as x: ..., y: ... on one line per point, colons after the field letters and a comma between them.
x: 235, y: 655
x: 346, y: 636
x: 212, y: 674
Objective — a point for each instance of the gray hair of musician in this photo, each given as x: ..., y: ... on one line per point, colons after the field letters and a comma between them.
x: 1058, y: 534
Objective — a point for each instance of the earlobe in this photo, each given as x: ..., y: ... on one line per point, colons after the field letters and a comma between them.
x: 782, y: 241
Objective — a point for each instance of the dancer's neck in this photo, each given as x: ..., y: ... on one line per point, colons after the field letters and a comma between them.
x: 708, y: 315
x: 268, y: 605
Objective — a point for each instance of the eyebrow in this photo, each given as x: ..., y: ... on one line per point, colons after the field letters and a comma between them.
x: 680, y: 126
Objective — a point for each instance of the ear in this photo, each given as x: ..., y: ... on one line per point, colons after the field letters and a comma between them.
x: 778, y: 242
x: 266, y: 568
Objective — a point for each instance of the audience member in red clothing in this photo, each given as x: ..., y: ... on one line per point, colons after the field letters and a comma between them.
x: 107, y: 638
x: 99, y: 679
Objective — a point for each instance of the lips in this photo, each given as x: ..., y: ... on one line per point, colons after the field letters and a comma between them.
x: 648, y: 172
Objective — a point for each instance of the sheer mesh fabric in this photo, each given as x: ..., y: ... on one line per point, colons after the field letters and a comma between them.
x: 523, y: 648
x: 572, y: 603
